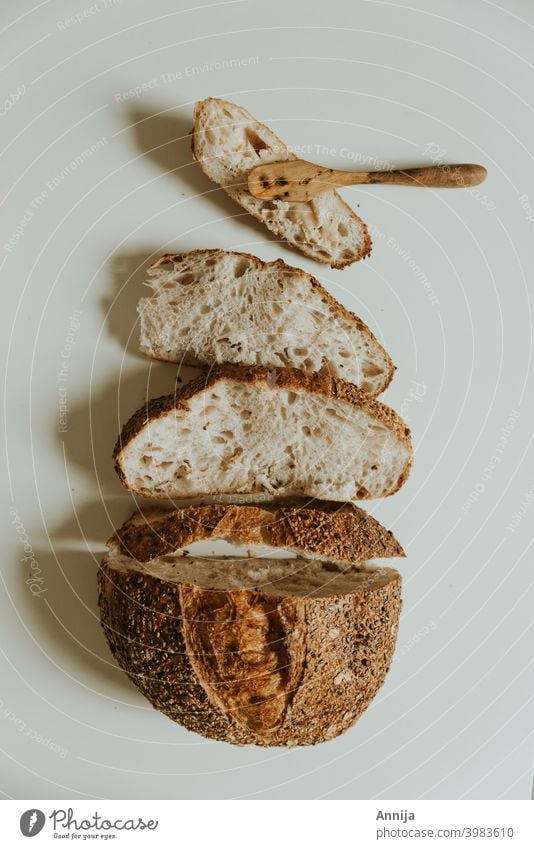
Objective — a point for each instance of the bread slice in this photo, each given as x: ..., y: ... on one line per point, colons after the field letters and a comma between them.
x: 228, y: 142
x: 214, y: 306
x: 344, y: 534
x: 272, y: 651
x: 277, y: 432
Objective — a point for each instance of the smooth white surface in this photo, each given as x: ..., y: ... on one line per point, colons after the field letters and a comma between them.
x: 446, y: 290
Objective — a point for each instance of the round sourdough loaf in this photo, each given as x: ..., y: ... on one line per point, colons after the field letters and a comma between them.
x: 273, y: 651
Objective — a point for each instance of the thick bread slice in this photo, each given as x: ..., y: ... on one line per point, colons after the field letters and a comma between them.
x: 278, y: 432
x: 343, y: 534
x: 266, y: 651
x: 228, y: 142
x: 214, y: 306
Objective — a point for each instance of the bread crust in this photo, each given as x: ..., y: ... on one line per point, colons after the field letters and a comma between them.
x: 344, y: 534
x: 282, y: 266
x: 249, y: 668
x: 284, y: 378
x: 367, y: 241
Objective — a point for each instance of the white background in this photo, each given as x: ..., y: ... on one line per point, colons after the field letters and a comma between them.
x: 446, y: 290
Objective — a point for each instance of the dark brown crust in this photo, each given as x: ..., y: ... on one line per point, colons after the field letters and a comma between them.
x: 282, y: 266
x: 346, y: 534
x: 367, y: 241
x: 283, y: 378
x: 248, y: 652
x: 213, y: 660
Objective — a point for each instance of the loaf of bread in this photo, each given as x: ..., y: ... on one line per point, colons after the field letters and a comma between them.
x: 214, y: 306
x: 276, y: 651
x: 228, y: 142
x: 266, y: 623
x: 274, y: 432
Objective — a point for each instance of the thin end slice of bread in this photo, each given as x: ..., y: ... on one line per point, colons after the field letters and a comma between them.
x: 215, y: 306
x: 343, y: 534
x: 268, y: 651
x: 228, y: 142
x: 278, y: 432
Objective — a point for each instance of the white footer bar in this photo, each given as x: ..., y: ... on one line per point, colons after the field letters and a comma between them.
x: 268, y: 824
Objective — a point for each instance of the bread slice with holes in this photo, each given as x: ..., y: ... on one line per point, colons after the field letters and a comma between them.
x: 227, y: 142
x: 215, y: 306
x: 272, y: 432
x: 277, y: 650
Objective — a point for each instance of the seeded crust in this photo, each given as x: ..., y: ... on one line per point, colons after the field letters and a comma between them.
x: 305, y: 249
x: 343, y: 535
x: 249, y: 668
x: 326, y: 297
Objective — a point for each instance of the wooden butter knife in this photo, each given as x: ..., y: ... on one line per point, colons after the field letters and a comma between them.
x: 298, y: 180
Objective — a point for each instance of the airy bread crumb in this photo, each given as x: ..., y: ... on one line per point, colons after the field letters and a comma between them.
x: 228, y: 142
